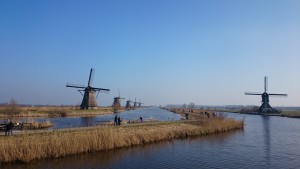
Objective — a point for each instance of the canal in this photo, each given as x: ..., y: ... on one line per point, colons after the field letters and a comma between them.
x: 265, y: 142
x: 87, y: 121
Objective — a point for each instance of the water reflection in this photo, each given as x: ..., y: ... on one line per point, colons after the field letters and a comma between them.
x: 88, y: 121
x: 267, y: 138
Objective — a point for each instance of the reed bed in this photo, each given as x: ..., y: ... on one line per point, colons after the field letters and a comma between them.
x: 54, y: 111
x: 28, y: 147
x: 293, y: 114
x: 39, y: 125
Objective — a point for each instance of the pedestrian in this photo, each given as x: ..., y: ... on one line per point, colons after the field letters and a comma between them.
x: 119, y: 120
x: 141, y: 118
x: 6, y: 129
x: 186, y: 116
x: 116, y: 120
x: 11, y: 127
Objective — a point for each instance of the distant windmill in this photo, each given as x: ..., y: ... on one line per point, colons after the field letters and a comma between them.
x: 89, y: 98
x: 117, y: 103
x: 265, y: 107
x: 128, y: 104
x: 140, y: 103
x: 135, y: 103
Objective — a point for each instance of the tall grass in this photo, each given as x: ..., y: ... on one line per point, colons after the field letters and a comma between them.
x: 28, y: 147
x: 54, y: 111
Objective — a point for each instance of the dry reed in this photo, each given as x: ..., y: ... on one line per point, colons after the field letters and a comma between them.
x: 54, y: 111
x: 28, y: 147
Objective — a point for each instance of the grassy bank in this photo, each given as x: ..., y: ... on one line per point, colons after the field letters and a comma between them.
x: 28, y: 147
x: 293, y: 114
x: 54, y: 111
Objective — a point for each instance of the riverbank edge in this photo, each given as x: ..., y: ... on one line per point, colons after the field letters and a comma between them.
x: 29, y: 147
x: 277, y: 115
x: 60, y: 113
x: 65, y: 113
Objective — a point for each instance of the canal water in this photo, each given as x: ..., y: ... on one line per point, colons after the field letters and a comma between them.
x: 265, y: 142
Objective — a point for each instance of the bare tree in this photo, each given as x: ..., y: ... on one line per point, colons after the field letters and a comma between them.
x: 12, y: 108
x: 192, y: 105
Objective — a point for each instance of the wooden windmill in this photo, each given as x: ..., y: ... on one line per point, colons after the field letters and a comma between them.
x: 265, y: 107
x: 140, y: 103
x: 117, y: 103
x: 128, y: 104
x: 135, y: 103
x: 89, y: 97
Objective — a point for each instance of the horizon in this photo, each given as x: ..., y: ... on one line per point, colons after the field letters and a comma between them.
x: 162, y: 52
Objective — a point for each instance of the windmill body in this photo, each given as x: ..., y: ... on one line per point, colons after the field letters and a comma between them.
x: 128, y: 104
x: 265, y: 107
x: 135, y: 103
x: 89, y: 97
x: 117, y: 103
x: 140, y: 103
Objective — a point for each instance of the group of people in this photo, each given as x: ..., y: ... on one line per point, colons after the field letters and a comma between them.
x: 9, y: 128
x: 117, y: 120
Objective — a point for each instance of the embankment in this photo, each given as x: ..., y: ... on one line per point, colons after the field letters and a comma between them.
x: 55, y: 111
x: 28, y: 147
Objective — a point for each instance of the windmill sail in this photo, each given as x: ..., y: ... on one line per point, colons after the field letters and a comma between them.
x: 265, y: 107
x: 89, y: 99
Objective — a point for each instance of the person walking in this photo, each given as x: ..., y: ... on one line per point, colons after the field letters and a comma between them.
x: 119, y: 120
x: 6, y: 129
x: 116, y: 120
x: 141, y: 118
x: 11, y: 127
x: 186, y: 116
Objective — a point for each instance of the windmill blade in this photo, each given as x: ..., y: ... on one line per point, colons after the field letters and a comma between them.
x: 75, y: 86
x: 101, y: 91
x: 91, y: 77
x: 284, y: 95
x: 80, y: 91
x: 252, y: 93
x: 98, y: 89
x: 266, y: 83
x: 104, y: 91
x: 119, y: 93
x: 121, y: 98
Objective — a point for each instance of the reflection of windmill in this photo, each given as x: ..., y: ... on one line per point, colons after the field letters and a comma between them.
x: 265, y: 107
x: 117, y: 104
x: 140, y: 103
x: 89, y: 98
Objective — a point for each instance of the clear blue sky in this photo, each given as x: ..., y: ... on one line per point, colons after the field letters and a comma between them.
x: 160, y: 51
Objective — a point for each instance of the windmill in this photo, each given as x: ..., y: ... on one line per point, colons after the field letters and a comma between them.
x: 89, y: 98
x: 265, y: 107
x: 135, y: 103
x: 117, y: 104
x: 128, y: 103
x: 140, y: 103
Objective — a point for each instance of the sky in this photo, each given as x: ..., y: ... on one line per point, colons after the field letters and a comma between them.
x: 209, y: 52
